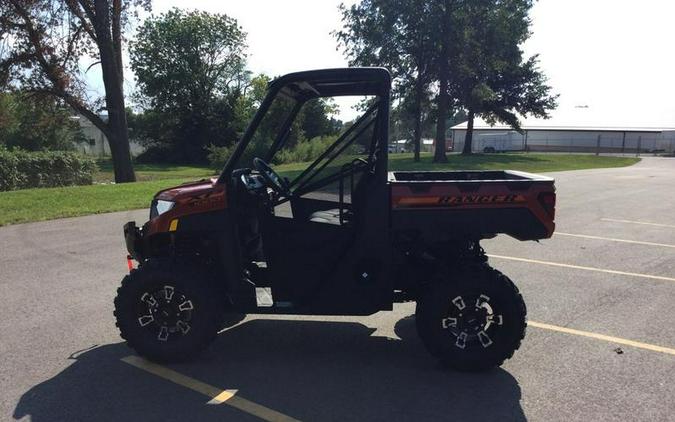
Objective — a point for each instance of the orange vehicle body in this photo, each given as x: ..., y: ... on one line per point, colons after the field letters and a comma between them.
x: 191, y: 198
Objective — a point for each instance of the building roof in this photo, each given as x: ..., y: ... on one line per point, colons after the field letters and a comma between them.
x: 579, y: 119
x: 462, y: 126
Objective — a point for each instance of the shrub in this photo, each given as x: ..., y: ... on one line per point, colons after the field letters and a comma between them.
x: 218, y: 156
x: 156, y: 153
x: 303, y: 151
x: 23, y: 169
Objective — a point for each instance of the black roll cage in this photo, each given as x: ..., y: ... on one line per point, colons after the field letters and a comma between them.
x: 304, y: 86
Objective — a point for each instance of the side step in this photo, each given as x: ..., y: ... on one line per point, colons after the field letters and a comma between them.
x: 264, y: 299
x: 263, y: 296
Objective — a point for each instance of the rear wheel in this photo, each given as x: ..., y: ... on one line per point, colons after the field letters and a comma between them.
x: 474, y: 322
x: 168, y: 312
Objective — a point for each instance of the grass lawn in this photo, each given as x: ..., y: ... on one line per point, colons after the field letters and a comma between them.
x: 533, y: 163
x: 44, y: 204
x: 146, y: 172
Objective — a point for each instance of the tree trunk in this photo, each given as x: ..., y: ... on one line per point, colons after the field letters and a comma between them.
x: 117, y: 37
x: 443, y: 101
x: 417, y: 131
x: 118, y: 137
x: 468, y: 138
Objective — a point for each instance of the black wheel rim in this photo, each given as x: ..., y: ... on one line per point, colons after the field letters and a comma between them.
x: 166, y: 313
x: 471, y: 321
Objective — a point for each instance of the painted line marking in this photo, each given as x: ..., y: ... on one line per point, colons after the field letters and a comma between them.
x: 603, y: 337
x: 215, y: 394
x: 638, y: 222
x: 224, y: 396
x: 638, y: 242
x: 579, y: 267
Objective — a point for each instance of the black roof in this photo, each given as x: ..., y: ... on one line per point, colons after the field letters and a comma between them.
x: 333, y: 82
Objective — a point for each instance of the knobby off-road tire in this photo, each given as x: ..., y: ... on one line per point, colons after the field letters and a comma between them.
x: 168, y: 312
x: 473, y: 321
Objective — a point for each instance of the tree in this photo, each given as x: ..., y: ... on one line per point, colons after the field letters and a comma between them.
x: 445, y: 41
x: 396, y: 34
x: 246, y: 105
x: 191, y: 68
x: 36, y: 123
x: 10, y: 121
x: 414, y: 19
x: 410, y: 120
x: 467, y: 52
x: 44, y: 41
x: 315, y: 119
x: 490, y: 78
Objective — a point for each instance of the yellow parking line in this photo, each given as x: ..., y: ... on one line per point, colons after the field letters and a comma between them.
x: 603, y: 337
x: 638, y: 242
x: 579, y: 267
x: 637, y: 222
x: 224, y: 396
x: 216, y: 395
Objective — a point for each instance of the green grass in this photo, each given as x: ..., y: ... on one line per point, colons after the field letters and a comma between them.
x: 146, y: 172
x: 44, y: 204
x: 535, y: 163
x: 26, y: 205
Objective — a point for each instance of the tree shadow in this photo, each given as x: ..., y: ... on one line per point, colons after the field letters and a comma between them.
x: 309, y: 370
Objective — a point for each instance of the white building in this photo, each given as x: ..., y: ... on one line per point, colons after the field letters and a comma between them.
x: 565, y: 136
x: 97, y: 143
x: 405, y: 145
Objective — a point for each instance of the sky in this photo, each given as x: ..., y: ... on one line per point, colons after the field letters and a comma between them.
x: 614, y: 56
x: 611, y: 61
x: 283, y: 36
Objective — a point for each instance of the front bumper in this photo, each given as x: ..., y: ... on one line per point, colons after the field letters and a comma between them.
x: 133, y: 237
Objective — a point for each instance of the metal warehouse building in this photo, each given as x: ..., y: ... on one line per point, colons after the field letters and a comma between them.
x: 548, y: 135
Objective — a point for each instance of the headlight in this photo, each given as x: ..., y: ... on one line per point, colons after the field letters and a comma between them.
x: 162, y: 206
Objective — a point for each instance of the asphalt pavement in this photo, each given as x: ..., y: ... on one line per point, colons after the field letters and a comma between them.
x: 601, y: 344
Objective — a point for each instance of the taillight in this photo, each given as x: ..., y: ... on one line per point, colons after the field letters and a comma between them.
x: 547, y: 200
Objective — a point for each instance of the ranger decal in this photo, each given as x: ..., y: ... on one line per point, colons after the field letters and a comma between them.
x: 431, y: 201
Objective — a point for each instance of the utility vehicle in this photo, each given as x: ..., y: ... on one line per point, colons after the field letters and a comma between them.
x: 339, y: 236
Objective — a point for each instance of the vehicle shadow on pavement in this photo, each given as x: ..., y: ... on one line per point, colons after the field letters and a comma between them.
x: 308, y: 370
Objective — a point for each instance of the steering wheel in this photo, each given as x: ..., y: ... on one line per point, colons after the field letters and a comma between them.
x: 272, y: 179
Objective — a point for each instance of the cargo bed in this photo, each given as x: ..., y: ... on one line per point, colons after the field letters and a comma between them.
x: 472, y: 204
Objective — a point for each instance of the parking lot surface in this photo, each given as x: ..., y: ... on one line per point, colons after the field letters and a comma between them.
x: 600, y: 346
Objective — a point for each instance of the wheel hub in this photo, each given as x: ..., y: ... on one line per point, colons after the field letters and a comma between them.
x: 165, y: 314
x: 165, y: 311
x: 469, y: 319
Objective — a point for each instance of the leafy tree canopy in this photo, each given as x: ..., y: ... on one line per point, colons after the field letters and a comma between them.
x: 183, y: 60
x: 42, y: 43
x: 196, y: 92
x: 36, y: 123
x: 191, y: 72
x: 490, y: 76
x: 397, y: 34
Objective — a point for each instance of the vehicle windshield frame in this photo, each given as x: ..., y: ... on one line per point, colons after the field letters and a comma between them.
x: 304, y: 86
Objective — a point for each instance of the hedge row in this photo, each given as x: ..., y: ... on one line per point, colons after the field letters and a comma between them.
x: 303, y: 151
x: 23, y: 169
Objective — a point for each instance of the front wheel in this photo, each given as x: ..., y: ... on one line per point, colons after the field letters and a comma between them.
x: 474, y: 321
x: 167, y: 312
